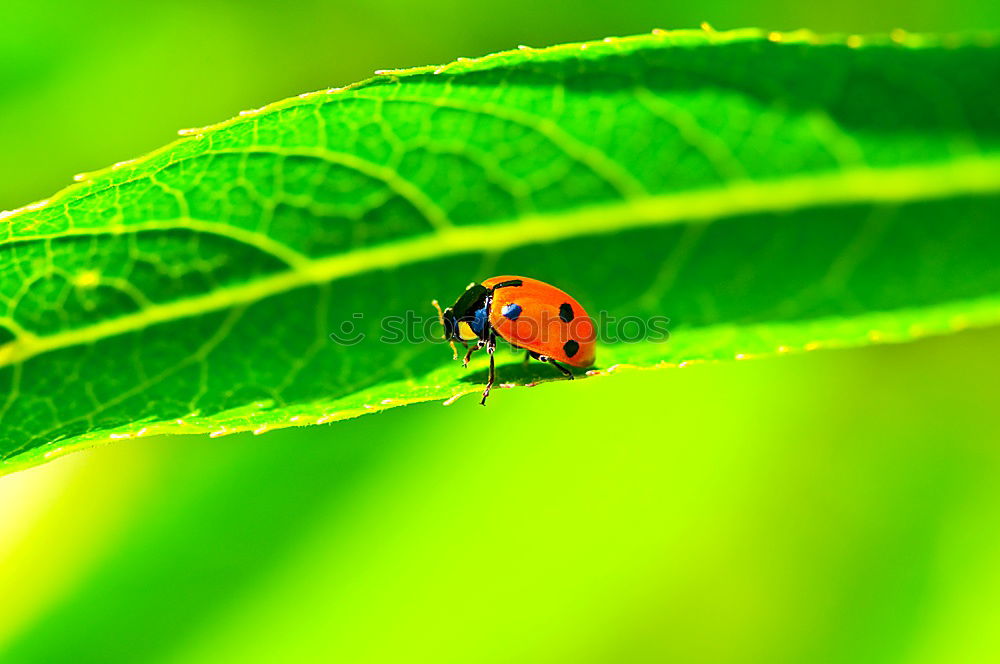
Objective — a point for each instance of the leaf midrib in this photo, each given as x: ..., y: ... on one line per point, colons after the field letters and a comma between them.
x: 962, y: 176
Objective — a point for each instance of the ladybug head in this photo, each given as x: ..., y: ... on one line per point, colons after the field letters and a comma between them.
x: 449, y: 323
x: 466, y: 308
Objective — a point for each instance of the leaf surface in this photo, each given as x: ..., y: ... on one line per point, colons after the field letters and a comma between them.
x: 768, y: 193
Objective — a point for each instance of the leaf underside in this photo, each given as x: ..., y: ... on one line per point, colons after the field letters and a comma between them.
x: 767, y: 193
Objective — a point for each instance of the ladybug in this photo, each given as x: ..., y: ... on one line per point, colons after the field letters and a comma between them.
x: 527, y: 313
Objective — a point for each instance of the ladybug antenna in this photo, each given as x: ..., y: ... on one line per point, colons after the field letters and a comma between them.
x: 451, y: 342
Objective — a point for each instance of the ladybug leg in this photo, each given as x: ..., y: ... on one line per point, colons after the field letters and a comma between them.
x: 491, y: 346
x: 472, y: 349
x: 527, y: 353
x: 566, y: 372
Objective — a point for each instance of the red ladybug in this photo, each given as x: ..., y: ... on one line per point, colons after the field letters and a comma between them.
x: 527, y: 313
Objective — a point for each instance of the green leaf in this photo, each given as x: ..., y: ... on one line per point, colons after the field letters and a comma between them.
x: 767, y: 192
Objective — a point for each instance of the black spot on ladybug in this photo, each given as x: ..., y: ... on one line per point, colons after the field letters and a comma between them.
x: 566, y: 312
x: 511, y: 311
x: 571, y: 348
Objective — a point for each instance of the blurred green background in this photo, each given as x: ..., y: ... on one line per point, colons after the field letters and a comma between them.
x: 832, y: 507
